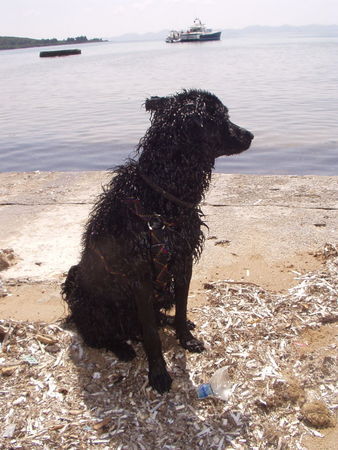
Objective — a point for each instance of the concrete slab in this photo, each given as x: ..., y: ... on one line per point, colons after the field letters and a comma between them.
x: 262, y: 229
x: 42, y: 216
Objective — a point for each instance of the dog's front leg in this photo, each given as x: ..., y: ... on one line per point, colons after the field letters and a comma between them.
x: 159, y: 378
x: 182, y: 283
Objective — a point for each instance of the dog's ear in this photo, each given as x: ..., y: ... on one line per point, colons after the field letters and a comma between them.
x: 155, y: 103
x: 194, y: 112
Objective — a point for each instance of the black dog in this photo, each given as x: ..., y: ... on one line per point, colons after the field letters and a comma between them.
x: 145, y: 231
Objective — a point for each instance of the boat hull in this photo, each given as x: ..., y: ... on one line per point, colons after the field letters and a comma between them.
x: 198, y: 37
x: 211, y: 36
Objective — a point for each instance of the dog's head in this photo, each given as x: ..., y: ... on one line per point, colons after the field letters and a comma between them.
x: 199, y: 117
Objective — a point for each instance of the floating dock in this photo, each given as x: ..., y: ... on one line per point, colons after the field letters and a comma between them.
x: 53, y: 53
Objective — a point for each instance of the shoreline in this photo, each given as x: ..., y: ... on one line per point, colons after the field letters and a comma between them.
x: 16, y: 43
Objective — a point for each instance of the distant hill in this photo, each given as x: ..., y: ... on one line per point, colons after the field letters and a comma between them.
x: 306, y: 31
x: 132, y: 37
x: 12, y: 42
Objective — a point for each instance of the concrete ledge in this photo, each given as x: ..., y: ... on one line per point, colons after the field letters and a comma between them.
x: 259, y: 226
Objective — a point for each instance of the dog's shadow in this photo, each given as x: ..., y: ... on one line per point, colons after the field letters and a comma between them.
x: 126, y: 410
x: 101, y: 371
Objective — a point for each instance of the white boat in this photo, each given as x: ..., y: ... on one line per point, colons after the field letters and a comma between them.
x: 196, y: 33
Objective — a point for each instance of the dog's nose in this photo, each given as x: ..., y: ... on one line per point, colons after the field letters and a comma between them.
x: 250, y: 135
x: 246, y: 134
x: 241, y: 133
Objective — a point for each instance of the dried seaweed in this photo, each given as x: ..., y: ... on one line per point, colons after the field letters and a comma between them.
x: 57, y: 393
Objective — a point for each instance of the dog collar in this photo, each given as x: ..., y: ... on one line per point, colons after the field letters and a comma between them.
x: 164, y: 193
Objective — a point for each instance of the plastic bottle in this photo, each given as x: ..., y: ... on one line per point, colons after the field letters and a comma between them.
x: 219, y: 386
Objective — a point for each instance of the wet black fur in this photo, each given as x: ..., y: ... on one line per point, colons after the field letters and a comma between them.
x: 111, y: 292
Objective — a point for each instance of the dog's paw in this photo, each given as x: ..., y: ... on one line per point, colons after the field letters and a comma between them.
x: 123, y: 351
x: 190, y: 325
x: 160, y: 380
x: 165, y: 320
x: 192, y: 344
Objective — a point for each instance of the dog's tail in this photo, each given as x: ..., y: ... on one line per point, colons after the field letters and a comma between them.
x: 69, y: 285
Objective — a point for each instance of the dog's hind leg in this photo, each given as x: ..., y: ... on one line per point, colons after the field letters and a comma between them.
x: 182, y: 283
x: 69, y: 284
x: 96, y: 334
x: 122, y: 350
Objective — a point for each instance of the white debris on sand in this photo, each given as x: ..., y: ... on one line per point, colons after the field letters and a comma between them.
x: 57, y: 393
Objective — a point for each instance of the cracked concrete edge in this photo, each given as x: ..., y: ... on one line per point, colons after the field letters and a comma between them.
x: 42, y: 215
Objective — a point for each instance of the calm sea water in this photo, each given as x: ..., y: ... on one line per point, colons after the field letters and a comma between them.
x: 86, y: 112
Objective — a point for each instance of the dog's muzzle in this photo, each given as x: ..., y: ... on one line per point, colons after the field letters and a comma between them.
x: 240, y: 134
x: 241, y: 138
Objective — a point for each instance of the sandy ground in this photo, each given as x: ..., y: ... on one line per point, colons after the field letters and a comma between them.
x: 262, y: 230
x: 42, y: 300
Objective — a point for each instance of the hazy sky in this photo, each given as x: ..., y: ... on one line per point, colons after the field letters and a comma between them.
x: 105, y: 18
